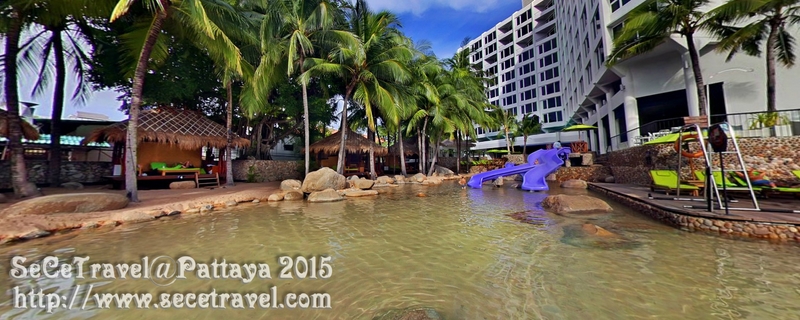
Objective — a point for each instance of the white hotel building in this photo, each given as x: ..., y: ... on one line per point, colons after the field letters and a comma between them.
x: 549, y: 59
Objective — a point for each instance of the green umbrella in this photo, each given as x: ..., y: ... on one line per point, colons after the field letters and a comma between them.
x: 579, y: 127
x: 497, y: 151
x: 672, y: 137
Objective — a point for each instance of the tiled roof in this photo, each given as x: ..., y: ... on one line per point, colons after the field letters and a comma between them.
x: 65, y: 141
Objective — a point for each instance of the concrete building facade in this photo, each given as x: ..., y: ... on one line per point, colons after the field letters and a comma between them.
x: 564, y: 45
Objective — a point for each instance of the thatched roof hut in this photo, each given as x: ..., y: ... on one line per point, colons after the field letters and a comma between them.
x: 410, y: 147
x: 186, y: 129
x: 355, y: 143
x: 28, y: 130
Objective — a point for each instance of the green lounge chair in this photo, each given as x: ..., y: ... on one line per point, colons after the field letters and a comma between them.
x: 765, y: 189
x: 796, y: 173
x: 668, y: 180
x: 730, y: 185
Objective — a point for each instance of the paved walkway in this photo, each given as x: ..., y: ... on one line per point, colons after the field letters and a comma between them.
x: 698, y: 208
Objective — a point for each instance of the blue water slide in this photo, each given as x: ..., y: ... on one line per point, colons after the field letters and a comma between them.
x: 549, y: 162
x: 477, y: 180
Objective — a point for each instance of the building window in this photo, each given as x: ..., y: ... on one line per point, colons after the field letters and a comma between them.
x: 528, y: 107
x: 527, y: 95
x: 548, y: 74
x: 509, y: 87
x: 551, y: 88
x: 548, y: 60
x: 549, y: 103
x: 527, y: 82
x: 507, y: 101
x: 288, y: 147
x: 512, y: 111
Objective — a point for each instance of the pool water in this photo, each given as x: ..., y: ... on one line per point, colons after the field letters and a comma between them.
x: 469, y: 254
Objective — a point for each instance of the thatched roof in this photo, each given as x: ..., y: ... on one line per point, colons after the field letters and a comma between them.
x: 186, y: 129
x: 355, y: 143
x: 410, y: 147
x: 28, y: 130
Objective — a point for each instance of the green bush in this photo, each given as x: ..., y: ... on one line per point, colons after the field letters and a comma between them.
x: 252, y: 175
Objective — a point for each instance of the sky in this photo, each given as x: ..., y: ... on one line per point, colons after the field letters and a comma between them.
x: 443, y: 23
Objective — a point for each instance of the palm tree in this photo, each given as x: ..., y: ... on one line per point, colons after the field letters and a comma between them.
x: 302, y: 25
x: 193, y: 19
x: 653, y: 22
x: 15, y: 16
x: 529, y: 125
x: 372, y: 68
x: 65, y: 28
x: 508, y: 123
x: 766, y: 19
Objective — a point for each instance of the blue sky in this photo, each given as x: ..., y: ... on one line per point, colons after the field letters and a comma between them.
x: 444, y: 23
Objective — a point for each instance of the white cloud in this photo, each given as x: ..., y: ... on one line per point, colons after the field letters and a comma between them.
x: 418, y: 7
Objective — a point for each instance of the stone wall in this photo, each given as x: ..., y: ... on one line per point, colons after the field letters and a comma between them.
x: 589, y: 174
x: 709, y: 223
x: 267, y: 170
x: 71, y: 171
x: 776, y: 156
x: 516, y: 158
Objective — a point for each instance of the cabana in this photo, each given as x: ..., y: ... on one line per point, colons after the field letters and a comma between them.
x: 29, y: 132
x: 411, y: 153
x: 356, y: 152
x: 168, y: 137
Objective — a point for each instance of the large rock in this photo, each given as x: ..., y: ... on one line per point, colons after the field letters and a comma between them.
x: 355, y: 193
x: 327, y: 195
x: 399, y: 178
x: 574, y: 184
x: 323, y: 179
x: 277, y: 196
x: 291, y: 184
x: 563, y: 203
x: 293, y: 195
x: 609, y: 179
x: 419, y: 177
x: 182, y: 185
x: 364, y: 184
x: 442, y: 171
x: 68, y: 203
x: 432, y: 181
x: 384, y: 180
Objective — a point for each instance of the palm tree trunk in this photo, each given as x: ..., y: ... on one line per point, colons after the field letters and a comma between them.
x: 54, y: 163
x: 402, y: 152
x: 524, y: 144
x: 228, y: 124
x: 424, y: 146
x: 458, y: 152
x: 343, y: 130
x: 371, y: 138
x: 19, y: 174
x: 771, y: 39
x: 421, y: 153
x: 435, y: 151
x: 698, y: 75
x: 136, y: 102
x: 306, y: 121
x: 508, y: 140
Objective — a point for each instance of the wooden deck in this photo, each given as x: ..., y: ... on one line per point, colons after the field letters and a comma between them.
x: 774, y: 209
x: 118, y: 182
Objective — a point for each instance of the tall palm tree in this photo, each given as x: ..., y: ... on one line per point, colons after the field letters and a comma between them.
x: 372, y: 69
x: 529, y: 125
x: 15, y: 15
x: 653, y: 22
x: 302, y: 25
x: 508, y: 123
x: 770, y: 20
x: 198, y: 20
x: 64, y: 31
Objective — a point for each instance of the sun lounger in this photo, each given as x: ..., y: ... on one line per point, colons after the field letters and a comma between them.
x: 668, y: 180
x: 765, y: 190
x: 796, y: 173
x: 730, y: 185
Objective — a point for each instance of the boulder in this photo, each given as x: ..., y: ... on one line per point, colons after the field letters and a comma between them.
x: 563, y: 203
x: 327, y: 195
x: 442, y: 171
x: 322, y: 180
x: 574, y: 184
x: 399, y: 179
x: 182, y: 185
x: 410, y: 314
x: 498, y: 182
x: 72, y: 185
x: 432, y: 181
x: 384, y: 180
x: 355, y: 193
x: 364, y: 184
x: 419, y: 177
x: 291, y: 184
x: 293, y: 195
x: 551, y: 177
x: 277, y: 196
x: 609, y: 179
x: 353, y: 178
x: 68, y: 203
x: 231, y: 203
